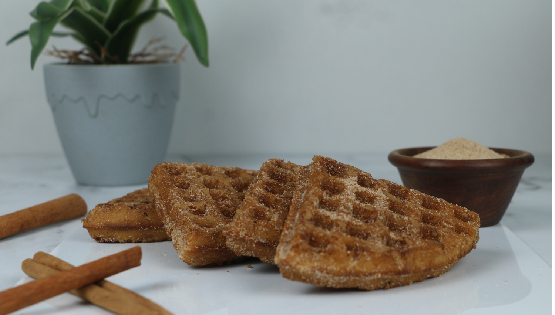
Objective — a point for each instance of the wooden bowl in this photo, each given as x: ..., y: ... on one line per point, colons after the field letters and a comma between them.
x: 483, y: 186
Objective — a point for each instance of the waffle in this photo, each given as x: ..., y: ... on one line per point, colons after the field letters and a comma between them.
x: 257, y: 226
x: 346, y: 229
x: 196, y: 202
x: 128, y: 219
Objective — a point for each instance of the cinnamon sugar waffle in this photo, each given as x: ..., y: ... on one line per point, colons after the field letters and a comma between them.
x: 196, y: 201
x: 257, y: 226
x: 128, y: 219
x: 346, y: 229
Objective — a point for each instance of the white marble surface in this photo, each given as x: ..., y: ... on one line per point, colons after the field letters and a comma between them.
x: 509, y: 272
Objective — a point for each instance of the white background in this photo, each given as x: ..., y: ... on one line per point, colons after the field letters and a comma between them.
x: 328, y: 76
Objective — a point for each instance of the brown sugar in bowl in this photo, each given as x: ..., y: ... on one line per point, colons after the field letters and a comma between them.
x: 483, y: 186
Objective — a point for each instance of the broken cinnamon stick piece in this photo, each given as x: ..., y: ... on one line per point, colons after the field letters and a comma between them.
x: 117, y: 291
x: 39, y: 290
x: 93, y: 293
x: 60, y: 209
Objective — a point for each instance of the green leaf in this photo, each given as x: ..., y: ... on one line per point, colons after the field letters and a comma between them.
x: 48, y: 15
x: 90, y: 30
x: 62, y: 4
x: 60, y: 34
x: 167, y: 13
x: 83, y: 4
x: 50, y: 10
x: 101, y: 5
x: 119, y: 11
x: 39, y: 33
x: 98, y: 15
x: 89, y: 9
x: 17, y: 36
x: 123, y: 39
x: 45, y: 11
x: 192, y: 26
x: 153, y: 5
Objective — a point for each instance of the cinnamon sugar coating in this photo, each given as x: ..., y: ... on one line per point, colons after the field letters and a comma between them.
x: 346, y: 229
x: 196, y: 202
x: 255, y: 231
x: 128, y: 219
x: 460, y: 149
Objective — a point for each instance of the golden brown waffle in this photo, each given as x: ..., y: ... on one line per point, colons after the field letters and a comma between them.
x: 129, y: 219
x: 346, y: 229
x: 196, y: 202
x: 257, y: 226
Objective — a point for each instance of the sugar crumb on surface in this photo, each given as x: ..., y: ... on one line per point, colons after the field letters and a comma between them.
x: 460, y: 149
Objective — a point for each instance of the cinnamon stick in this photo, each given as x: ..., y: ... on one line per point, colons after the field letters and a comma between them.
x: 39, y: 290
x: 134, y: 301
x: 92, y: 292
x: 60, y: 209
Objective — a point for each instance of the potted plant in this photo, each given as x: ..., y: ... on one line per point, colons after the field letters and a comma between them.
x: 113, y: 109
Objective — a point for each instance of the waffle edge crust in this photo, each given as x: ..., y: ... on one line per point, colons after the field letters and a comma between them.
x: 346, y: 229
x: 128, y: 219
x: 196, y: 202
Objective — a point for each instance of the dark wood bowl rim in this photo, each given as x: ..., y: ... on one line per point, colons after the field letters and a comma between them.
x: 403, y: 159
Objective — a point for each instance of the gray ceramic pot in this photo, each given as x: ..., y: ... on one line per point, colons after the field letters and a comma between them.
x: 114, y: 122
